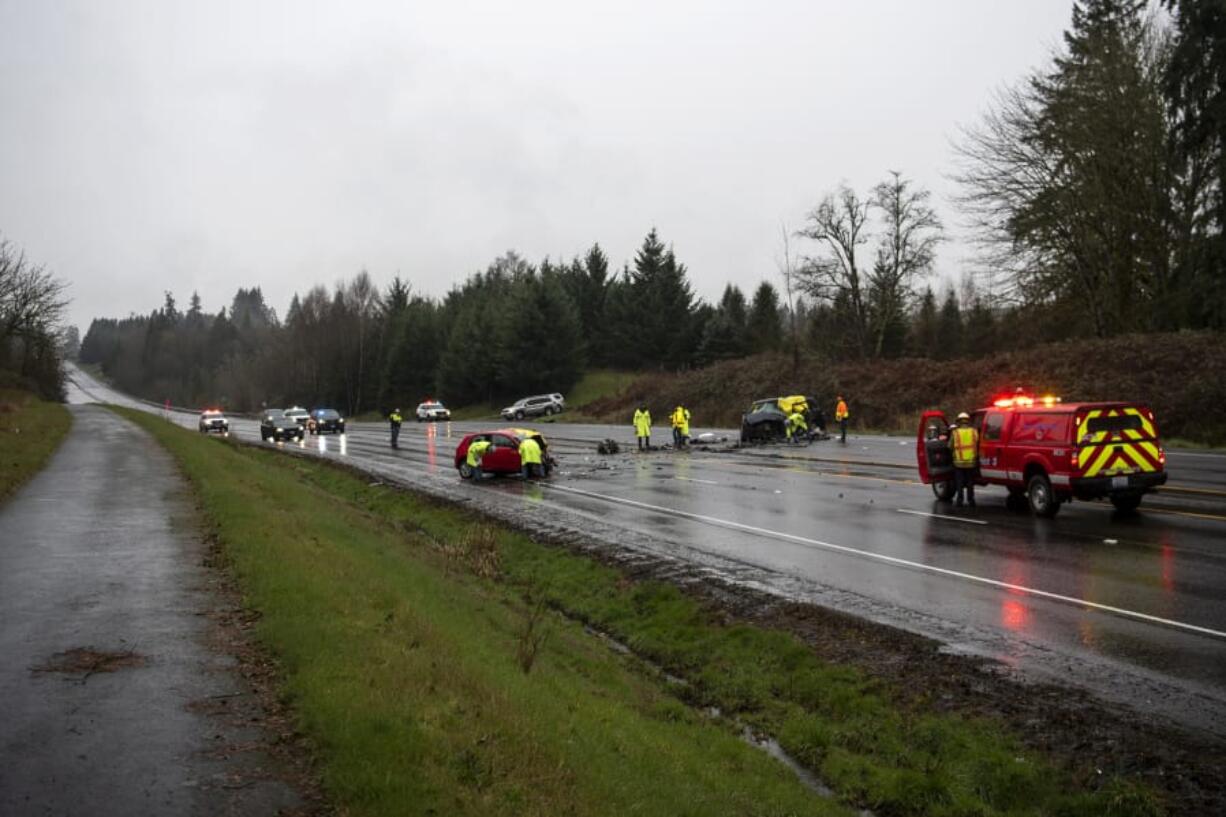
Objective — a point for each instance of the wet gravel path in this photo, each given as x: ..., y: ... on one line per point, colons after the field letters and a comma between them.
x: 106, y: 615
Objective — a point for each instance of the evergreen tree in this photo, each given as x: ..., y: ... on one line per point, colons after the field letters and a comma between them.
x: 1195, y: 86
x: 765, y: 323
x: 414, y: 351
x: 949, y: 327
x: 663, y: 329
x: 725, y: 334
x: 924, y: 342
x: 979, y: 336
x: 542, y: 334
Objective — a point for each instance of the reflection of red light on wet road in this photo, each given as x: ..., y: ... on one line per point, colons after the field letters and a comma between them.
x: 1014, y: 614
x: 431, y: 451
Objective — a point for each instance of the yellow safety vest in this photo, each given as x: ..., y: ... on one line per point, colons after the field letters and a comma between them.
x: 966, y: 447
x: 840, y: 411
x: 681, y: 420
x: 642, y: 423
x: 476, y: 451
x: 529, y: 452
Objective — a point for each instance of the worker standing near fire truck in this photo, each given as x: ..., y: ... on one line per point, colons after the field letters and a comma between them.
x: 965, y: 442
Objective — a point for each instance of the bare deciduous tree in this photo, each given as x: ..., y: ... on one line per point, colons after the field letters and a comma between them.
x: 787, y: 268
x: 31, y: 299
x: 906, y: 249
x: 838, y: 223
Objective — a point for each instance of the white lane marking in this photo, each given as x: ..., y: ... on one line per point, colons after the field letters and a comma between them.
x: 703, y: 481
x: 881, y: 557
x: 943, y: 516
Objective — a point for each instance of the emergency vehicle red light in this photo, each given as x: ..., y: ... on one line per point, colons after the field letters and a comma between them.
x: 1018, y: 400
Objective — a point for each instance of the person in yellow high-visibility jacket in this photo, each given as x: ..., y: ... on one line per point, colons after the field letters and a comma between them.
x: 476, y: 453
x: 681, y: 426
x: 840, y: 416
x: 530, y: 458
x: 642, y: 427
x: 796, y: 425
x: 964, y: 440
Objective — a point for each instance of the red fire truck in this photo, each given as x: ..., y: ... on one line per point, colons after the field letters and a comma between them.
x: 1047, y: 452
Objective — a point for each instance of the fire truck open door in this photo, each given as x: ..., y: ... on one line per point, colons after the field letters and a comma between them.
x: 932, y: 451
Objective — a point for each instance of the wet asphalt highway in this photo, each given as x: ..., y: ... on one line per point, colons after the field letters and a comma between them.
x: 1131, y: 607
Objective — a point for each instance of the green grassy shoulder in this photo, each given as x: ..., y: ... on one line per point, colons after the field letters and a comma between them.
x: 403, y: 626
x: 30, y: 431
x: 596, y: 384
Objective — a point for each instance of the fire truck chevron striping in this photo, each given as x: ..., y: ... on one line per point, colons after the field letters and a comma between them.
x: 1123, y: 451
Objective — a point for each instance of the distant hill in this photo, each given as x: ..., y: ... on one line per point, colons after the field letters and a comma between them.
x: 1182, y: 376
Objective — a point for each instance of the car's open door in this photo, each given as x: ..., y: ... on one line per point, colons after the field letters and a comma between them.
x: 932, y: 451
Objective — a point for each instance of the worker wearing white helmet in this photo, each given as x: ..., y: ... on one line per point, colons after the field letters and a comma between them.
x: 964, y: 440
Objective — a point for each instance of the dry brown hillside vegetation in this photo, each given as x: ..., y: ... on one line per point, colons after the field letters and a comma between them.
x: 1182, y: 376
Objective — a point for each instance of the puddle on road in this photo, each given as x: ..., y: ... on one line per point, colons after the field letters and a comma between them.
x: 87, y: 661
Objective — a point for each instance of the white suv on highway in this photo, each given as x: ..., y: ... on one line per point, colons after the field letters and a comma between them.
x: 432, y: 410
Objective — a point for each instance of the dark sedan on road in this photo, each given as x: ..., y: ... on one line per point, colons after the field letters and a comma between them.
x: 276, y: 426
x: 326, y: 421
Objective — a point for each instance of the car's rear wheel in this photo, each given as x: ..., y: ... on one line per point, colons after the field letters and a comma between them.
x: 1042, y: 499
x: 943, y: 490
x: 1126, y: 503
x: 466, y: 471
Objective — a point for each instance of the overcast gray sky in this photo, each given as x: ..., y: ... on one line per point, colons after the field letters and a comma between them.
x: 210, y: 145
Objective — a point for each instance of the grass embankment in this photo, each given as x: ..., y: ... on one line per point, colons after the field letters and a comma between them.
x: 597, y: 384
x: 1182, y: 376
x: 403, y: 627
x: 30, y: 431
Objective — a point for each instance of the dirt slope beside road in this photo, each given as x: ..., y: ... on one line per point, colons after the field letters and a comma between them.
x: 1182, y: 376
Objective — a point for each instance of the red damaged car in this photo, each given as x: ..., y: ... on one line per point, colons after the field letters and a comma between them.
x: 502, y: 457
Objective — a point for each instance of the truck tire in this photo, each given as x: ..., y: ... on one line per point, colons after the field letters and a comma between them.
x: 1126, y: 503
x: 1042, y: 498
x: 943, y: 490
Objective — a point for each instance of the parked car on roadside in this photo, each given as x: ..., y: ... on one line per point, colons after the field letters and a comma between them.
x: 431, y: 411
x: 502, y: 457
x: 212, y: 421
x: 541, y: 405
x: 277, y: 426
x: 326, y: 421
